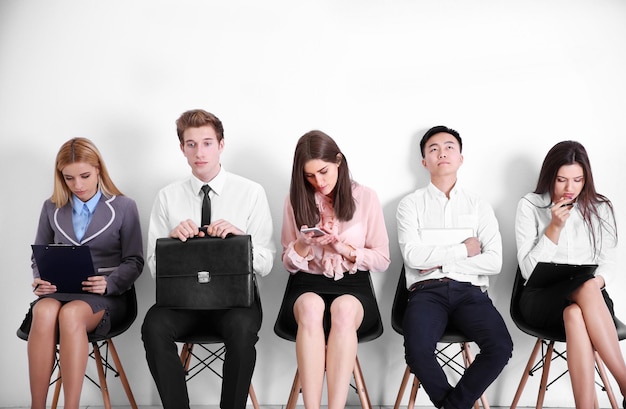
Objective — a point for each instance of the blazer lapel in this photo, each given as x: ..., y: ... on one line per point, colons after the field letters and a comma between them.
x: 63, y: 221
x: 101, y: 220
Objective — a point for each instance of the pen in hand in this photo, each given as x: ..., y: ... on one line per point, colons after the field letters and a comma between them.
x: 36, y: 287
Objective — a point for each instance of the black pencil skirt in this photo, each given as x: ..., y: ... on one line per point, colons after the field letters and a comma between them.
x: 358, y: 285
x: 543, y: 307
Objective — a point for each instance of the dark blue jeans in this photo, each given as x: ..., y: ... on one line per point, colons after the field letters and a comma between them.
x: 434, y: 306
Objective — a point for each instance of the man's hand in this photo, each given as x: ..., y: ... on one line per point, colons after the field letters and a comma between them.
x: 185, y: 230
x: 221, y: 228
x: 473, y: 246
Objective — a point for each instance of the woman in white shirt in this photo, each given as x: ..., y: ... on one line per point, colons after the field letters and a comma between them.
x: 566, y: 221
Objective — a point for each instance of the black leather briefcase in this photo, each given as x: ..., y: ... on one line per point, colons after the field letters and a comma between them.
x: 205, y: 273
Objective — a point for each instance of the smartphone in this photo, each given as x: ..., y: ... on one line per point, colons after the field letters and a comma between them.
x: 316, y: 231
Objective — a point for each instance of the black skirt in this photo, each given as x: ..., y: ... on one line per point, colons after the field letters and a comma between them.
x: 358, y: 284
x: 114, y: 307
x: 543, y: 307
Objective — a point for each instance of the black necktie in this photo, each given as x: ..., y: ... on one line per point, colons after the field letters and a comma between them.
x: 206, y: 205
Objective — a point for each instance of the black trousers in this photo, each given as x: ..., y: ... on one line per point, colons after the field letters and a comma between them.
x: 238, y: 327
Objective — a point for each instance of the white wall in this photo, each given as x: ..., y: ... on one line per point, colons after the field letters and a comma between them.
x: 514, y: 77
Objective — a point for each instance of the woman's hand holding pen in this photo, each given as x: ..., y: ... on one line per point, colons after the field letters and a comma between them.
x: 95, y: 284
x: 560, y: 213
x: 43, y: 287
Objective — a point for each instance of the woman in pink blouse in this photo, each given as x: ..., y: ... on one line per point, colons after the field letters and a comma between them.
x: 330, y: 298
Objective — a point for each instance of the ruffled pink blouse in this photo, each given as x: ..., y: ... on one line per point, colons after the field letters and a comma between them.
x: 366, y: 233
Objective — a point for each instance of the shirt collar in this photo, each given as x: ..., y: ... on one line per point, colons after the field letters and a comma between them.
x: 438, y: 193
x: 217, y: 183
x: 77, y: 204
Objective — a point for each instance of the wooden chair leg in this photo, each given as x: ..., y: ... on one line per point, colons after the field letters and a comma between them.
x: 104, y: 388
x: 295, y: 391
x: 361, y: 389
x: 185, y: 355
x: 405, y: 381
x: 57, y: 389
x: 526, y: 374
x: 252, y: 394
x: 122, y: 374
x: 544, y: 375
x: 605, y: 381
x: 414, y: 389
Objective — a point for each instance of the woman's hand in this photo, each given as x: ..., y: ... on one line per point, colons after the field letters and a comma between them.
x: 305, y: 241
x: 560, y: 213
x: 347, y: 251
x: 95, y: 284
x: 43, y: 287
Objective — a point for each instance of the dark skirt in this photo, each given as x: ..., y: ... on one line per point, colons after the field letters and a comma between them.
x: 114, y: 310
x: 543, y: 307
x: 358, y: 284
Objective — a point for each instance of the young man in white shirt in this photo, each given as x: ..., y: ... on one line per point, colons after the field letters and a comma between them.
x: 238, y: 206
x: 448, y: 276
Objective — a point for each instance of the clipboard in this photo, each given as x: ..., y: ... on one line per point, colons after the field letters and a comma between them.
x: 548, y: 274
x: 65, y: 266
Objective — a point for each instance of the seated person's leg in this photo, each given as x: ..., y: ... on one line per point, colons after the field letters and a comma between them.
x: 309, y: 310
x: 424, y: 322
x: 479, y: 320
x: 346, y: 314
x: 42, y: 341
x: 160, y: 328
x: 239, y: 327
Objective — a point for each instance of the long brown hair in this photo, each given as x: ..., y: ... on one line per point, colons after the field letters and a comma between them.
x: 589, y: 200
x: 80, y: 150
x: 317, y: 145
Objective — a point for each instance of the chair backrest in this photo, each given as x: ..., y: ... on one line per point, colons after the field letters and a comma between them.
x: 400, y: 301
x: 130, y: 297
x: 514, y: 309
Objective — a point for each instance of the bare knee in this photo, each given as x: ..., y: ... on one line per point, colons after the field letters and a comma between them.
x: 73, y: 316
x: 346, y: 313
x: 45, y: 318
x: 573, y: 317
x: 46, y: 313
x: 309, y: 311
x: 589, y: 290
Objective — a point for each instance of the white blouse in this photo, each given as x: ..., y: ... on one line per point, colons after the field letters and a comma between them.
x: 574, y: 246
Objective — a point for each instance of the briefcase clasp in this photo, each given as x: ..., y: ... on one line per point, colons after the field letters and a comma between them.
x: 204, y: 277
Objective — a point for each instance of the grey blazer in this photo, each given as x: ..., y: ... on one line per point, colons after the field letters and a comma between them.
x: 113, y: 236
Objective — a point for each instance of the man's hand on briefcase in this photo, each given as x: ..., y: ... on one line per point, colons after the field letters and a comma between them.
x: 219, y: 228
